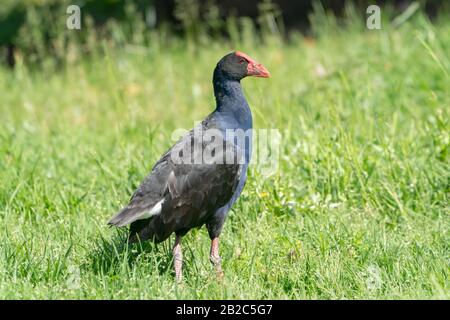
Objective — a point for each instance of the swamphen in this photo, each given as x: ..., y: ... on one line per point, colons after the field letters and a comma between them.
x: 180, y: 195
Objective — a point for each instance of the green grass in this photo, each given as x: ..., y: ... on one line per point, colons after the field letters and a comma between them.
x: 358, y: 208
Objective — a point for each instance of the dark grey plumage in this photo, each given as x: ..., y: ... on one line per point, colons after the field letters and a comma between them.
x: 178, y: 196
x: 191, y: 193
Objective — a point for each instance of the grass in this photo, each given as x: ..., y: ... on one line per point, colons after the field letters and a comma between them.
x: 358, y: 208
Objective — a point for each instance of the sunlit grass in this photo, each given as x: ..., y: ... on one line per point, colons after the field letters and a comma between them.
x: 358, y: 209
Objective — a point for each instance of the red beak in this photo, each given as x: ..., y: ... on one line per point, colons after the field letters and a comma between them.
x: 257, y: 70
x: 254, y: 68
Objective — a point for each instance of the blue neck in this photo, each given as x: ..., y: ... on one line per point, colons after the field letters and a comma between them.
x: 230, y: 101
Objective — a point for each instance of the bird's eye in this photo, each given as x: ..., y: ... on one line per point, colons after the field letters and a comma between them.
x: 241, y: 61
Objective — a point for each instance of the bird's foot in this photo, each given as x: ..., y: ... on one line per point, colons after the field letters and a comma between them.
x: 215, y: 259
x: 178, y: 276
x: 178, y: 271
x: 178, y: 260
x: 217, y: 264
x: 219, y: 274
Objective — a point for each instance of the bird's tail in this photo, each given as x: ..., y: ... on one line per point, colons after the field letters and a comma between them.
x: 125, y: 216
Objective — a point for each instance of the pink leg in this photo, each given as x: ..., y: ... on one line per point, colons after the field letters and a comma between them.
x: 177, y: 258
x: 215, y: 258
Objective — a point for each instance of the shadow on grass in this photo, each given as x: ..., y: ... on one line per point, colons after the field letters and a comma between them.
x: 117, y: 256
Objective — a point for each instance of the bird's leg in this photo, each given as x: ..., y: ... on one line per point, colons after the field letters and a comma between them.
x: 215, y: 258
x: 177, y: 258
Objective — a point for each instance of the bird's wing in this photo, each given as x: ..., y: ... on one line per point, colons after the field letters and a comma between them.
x: 196, y: 191
x: 181, y: 192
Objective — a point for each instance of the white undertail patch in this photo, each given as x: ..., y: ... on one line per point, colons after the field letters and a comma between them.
x: 153, y: 211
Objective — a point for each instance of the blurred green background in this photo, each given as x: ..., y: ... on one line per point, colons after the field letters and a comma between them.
x: 34, y: 30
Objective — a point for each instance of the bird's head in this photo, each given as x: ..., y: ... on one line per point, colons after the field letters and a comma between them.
x: 237, y: 65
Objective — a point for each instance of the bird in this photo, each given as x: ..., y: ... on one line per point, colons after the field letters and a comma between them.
x: 184, y: 189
